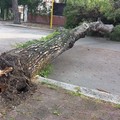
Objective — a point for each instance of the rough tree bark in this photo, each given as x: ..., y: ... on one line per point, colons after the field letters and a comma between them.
x: 15, y: 11
x: 18, y: 66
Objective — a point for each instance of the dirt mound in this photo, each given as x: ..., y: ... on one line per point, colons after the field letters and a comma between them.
x: 14, y: 84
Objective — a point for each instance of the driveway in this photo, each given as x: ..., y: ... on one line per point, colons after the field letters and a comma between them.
x: 10, y: 35
x: 93, y: 63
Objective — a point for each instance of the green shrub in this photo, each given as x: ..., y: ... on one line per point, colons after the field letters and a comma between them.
x: 115, y: 35
x: 46, y: 71
x: 37, y: 41
x: 78, y: 11
x: 77, y: 14
x: 71, y: 14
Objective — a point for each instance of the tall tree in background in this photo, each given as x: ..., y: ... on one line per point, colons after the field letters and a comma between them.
x: 5, y: 5
x: 15, y: 12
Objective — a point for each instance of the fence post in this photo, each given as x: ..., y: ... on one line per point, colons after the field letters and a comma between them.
x: 51, y: 17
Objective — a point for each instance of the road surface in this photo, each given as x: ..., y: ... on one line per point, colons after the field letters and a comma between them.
x: 10, y: 35
x: 93, y: 63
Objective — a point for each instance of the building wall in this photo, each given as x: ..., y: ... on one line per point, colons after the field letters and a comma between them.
x: 57, y: 20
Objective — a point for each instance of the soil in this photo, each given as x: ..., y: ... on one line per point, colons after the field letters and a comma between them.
x: 53, y: 103
x: 14, y: 86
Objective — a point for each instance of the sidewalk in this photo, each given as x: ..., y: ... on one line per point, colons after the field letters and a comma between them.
x: 52, y: 103
x: 28, y: 25
x: 11, y: 34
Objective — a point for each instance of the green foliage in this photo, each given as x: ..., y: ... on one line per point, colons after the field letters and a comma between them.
x: 56, y: 112
x: 39, y: 41
x: 115, y: 35
x: 78, y: 11
x: 46, y: 71
x: 71, y: 15
x: 117, y: 106
x: 49, y: 85
x: 77, y: 14
x: 5, y: 5
x: 27, y: 44
x: 77, y: 92
x: 52, y: 35
x: 74, y: 93
x: 33, y: 7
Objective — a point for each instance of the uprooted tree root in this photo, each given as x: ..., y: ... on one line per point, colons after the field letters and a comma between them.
x: 15, y: 86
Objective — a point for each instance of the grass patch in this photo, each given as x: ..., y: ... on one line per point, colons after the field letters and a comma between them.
x: 12, y: 119
x: 51, y: 86
x: 77, y: 89
x: 28, y: 43
x: 38, y: 41
x: 56, y: 112
x: 115, y: 35
x: 46, y: 71
x: 117, y: 106
x: 74, y: 93
x: 52, y: 35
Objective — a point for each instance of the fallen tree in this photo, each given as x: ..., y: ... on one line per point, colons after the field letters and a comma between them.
x: 19, y: 66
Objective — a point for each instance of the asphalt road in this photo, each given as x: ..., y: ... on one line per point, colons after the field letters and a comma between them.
x: 10, y: 35
x: 93, y: 63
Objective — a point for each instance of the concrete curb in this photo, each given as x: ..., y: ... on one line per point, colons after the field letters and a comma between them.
x: 85, y: 91
x: 25, y: 26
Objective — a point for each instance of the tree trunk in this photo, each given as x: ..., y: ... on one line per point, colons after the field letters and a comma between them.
x: 15, y: 12
x: 18, y: 66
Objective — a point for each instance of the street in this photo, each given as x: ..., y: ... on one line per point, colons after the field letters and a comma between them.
x: 93, y: 63
x: 10, y: 35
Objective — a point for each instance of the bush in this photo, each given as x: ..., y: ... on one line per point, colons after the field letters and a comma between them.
x: 77, y: 14
x: 71, y: 12
x: 78, y: 11
x: 115, y: 35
